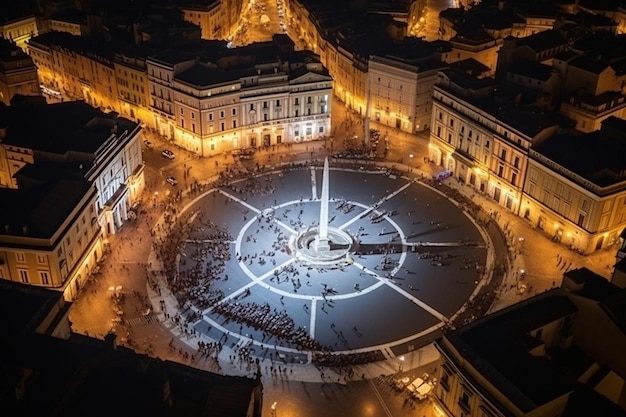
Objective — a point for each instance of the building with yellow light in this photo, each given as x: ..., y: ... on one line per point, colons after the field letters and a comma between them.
x: 575, y: 187
x: 77, y: 67
x: 483, y: 142
x: 19, y: 29
x: 217, y: 19
x: 131, y: 78
x: 75, y: 174
x: 400, y: 86
x: 235, y: 102
x: 18, y: 74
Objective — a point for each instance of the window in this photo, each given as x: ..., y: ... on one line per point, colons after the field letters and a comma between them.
x: 222, y: 114
x: 464, y: 402
x: 193, y: 115
x: 513, y: 178
x: 308, y: 100
x: 182, y: 111
x: 445, y: 381
x: 222, y: 126
x: 44, y: 276
x: 500, y: 171
x: 297, y: 101
x: 277, y: 103
x: 20, y: 256
x: 439, y: 131
x: 265, y: 104
x: 41, y: 259
x: 251, y: 107
x: 516, y: 162
x: 23, y: 273
x: 234, y: 112
x: 440, y: 116
x: 503, y: 154
x: 234, y: 124
x: 452, y: 122
x: 584, y: 206
x: 581, y: 220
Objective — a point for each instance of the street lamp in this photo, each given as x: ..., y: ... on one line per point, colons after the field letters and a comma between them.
x: 401, y: 364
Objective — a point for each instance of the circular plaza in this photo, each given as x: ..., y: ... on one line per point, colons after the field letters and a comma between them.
x: 342, y: 268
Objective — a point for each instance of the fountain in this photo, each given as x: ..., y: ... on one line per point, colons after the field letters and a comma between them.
x: 323, y: 245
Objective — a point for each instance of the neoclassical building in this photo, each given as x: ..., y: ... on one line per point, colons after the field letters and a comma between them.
x: 236, y: 102
x: 72, y: 175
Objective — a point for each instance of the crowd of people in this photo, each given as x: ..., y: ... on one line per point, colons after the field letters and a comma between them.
x: 195, y: 251
x: 270, y: 320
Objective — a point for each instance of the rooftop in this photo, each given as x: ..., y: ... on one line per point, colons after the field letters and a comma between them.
x: 594, y: 156
x: 58, y: 128
x: 32, y: 303
x: 498, y: 347
x: 543, y: 41
x: 41, y: 210
x: 533, y: 69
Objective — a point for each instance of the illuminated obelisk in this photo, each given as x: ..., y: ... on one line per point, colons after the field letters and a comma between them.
x: 322, y: 244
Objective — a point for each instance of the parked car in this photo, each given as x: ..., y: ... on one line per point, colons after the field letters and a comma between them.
x: 171, y: 180
x: 148, y: 144
x: 168, y: 154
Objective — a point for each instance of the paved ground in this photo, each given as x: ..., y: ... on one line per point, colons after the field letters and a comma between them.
x: 131, y: 313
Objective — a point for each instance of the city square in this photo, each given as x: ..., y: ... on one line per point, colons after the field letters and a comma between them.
x: 315, y: 209
x: 414, y: 254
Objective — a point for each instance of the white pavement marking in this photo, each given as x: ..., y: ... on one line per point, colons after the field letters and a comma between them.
x: 380, y: 399
x: 313, y: 184
x: 240, y: 201
x: 387, y: 352
x: 313, y: 317
x: 401, y: 291
x: 285, y: 226
x: 375, y: 205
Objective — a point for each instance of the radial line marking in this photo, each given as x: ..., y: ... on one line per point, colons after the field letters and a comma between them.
x: 399, y: 290
x: 374, y: 206
x: 313, y: 317
x: 240, y: 201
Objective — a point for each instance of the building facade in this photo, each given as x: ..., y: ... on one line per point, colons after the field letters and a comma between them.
x: 82, y: 180
x: 18, y: 73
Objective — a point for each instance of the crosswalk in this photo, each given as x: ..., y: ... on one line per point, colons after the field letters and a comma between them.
x: 142, y: 320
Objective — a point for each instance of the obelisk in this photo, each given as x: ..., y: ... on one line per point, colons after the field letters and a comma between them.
x: 321, y: 240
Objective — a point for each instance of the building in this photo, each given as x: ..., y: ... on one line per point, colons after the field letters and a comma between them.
x: 76, y: 67
x: 74, y: 174
x: 400, y: 86
x: 264, y: 94
x: 575, y: 187
x: 482, y: 135
x: 558, y: 353
x: 48, y: 369
x: 18, y: 73
x: 133, y: 88
x: 217, y: 19
x: 18, y: 26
